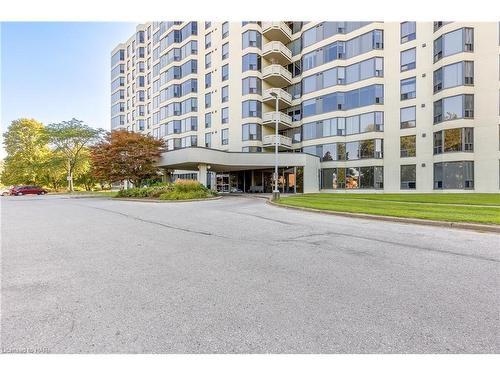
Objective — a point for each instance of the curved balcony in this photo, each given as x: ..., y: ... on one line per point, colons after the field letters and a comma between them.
x: 284, y: 121
x: 277, y: 76
x: 278, y: 31
x: 277, y: 53
x: 284, y: 98
x: 284, y: 142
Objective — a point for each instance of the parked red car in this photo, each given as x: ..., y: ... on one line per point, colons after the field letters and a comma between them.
x: 23, y: 190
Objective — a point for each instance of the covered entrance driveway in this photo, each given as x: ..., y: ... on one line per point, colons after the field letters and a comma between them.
x: 246, y: 172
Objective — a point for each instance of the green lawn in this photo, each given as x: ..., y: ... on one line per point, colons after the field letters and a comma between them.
x: 472, y: 208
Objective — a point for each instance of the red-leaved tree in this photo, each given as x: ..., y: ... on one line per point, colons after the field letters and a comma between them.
x: 124, y: 155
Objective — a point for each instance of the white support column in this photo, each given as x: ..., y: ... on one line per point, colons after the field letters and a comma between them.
x: 202, y: 174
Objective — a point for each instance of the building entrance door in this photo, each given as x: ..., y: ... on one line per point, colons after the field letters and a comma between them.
x: 222, y: 183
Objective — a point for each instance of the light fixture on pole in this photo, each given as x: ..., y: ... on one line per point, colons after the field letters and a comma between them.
x: 276, y: 192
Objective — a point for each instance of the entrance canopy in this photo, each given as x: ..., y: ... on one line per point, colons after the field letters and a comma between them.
x: 223, y: 161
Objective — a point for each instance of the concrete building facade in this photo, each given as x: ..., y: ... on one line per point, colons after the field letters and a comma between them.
x: 362, y: 106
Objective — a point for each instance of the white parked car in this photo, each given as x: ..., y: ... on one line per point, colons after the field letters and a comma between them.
x: 4, y: 191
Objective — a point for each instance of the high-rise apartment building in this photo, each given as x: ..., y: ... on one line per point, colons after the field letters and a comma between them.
x: 410, y: 106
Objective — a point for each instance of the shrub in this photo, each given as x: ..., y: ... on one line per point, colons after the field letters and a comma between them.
x: 180, y: 190
x: 145, y: 192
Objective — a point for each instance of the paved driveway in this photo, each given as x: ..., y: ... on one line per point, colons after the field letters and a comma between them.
x: 238, y: 276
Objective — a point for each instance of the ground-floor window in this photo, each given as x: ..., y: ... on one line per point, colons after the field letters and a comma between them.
x: 352, y: 178
x: 408, y: 176
x: 454, y: 175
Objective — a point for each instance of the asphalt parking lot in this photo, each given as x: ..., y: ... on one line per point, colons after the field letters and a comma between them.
x: 236, y: 275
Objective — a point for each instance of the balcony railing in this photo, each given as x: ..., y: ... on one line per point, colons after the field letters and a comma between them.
x: 278, y: 31
x: 277, y: 53
x: 277, y: 76
x: 284, y: 121
x: 284, y: 142
x: 284, y: 98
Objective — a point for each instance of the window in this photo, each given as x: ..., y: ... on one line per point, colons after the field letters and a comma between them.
x: 251, y: 108
x: 251, y: 61
x: 208, y: 80
x: 225, y: 136
x: 336, y: 101
x: 407, y: 117
x: 225, y: 29
x: 408, y: 176
x: 344, y: 75
x: 454, y: 175
x: 251, y: 132
x: 208, y: 60
x: 225, y: 72
x: 251, y: 85
x: 408, y: 146
x: 251, y: 149
x: 208, y: 40
x: 208, y: 140
x: 352, y: 178
x: 408, y: 88
x: 461, y: 40
x: 454, y: 107
x: 225, y: 94
x: 208, y: 120
x: 457, y: 74
x: 208, y: 100
x: 251, y: 38
x: 225, y: 115
x: 208, y: 24
x: 408, y: 31
x: 225, y: 51
x: 454, y: 140
x: 408, y: 59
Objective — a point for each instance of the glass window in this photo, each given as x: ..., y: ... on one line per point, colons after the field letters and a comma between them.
x: 408, y: 176
x: 408, y: 31
x: 251, y: 38
x: 225, y: 115
x: 208, y: 120
x: 454, y: 42
x: 225, y: 136
x: 251, y: 85
x: 225, y: 72
x: 251, y: 61
x: 208, y: 60
x: 208, y: 140
x: 225, y: 29
x: 225, y: 94
x: 408, y: 117
x: 454, y: 175
x: 408, y: 59
x: 225, y: 51
x: 408, y: 88
x: 408, y: 146
x: 251, y: 108
x: 208, y: 40
x: 208, y: 80
x: 251, y: 132
x: 208, y: 100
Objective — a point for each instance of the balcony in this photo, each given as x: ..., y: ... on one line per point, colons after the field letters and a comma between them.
x: 277, y: 53
x: 284, y: 121
x: 284, y: 142
x: 278, y: 31
x: 284, y: 98
x: 277, y: 76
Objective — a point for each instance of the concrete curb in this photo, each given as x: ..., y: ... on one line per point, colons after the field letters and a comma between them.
x: 403, y: 220
x: 165, y: 201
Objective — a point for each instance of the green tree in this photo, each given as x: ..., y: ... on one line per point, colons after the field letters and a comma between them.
x: 27, y: 151
x: 54, y: 170
x: 70, y: 138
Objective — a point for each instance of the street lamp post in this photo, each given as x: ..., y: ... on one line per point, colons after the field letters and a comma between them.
x: 276, y: 192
